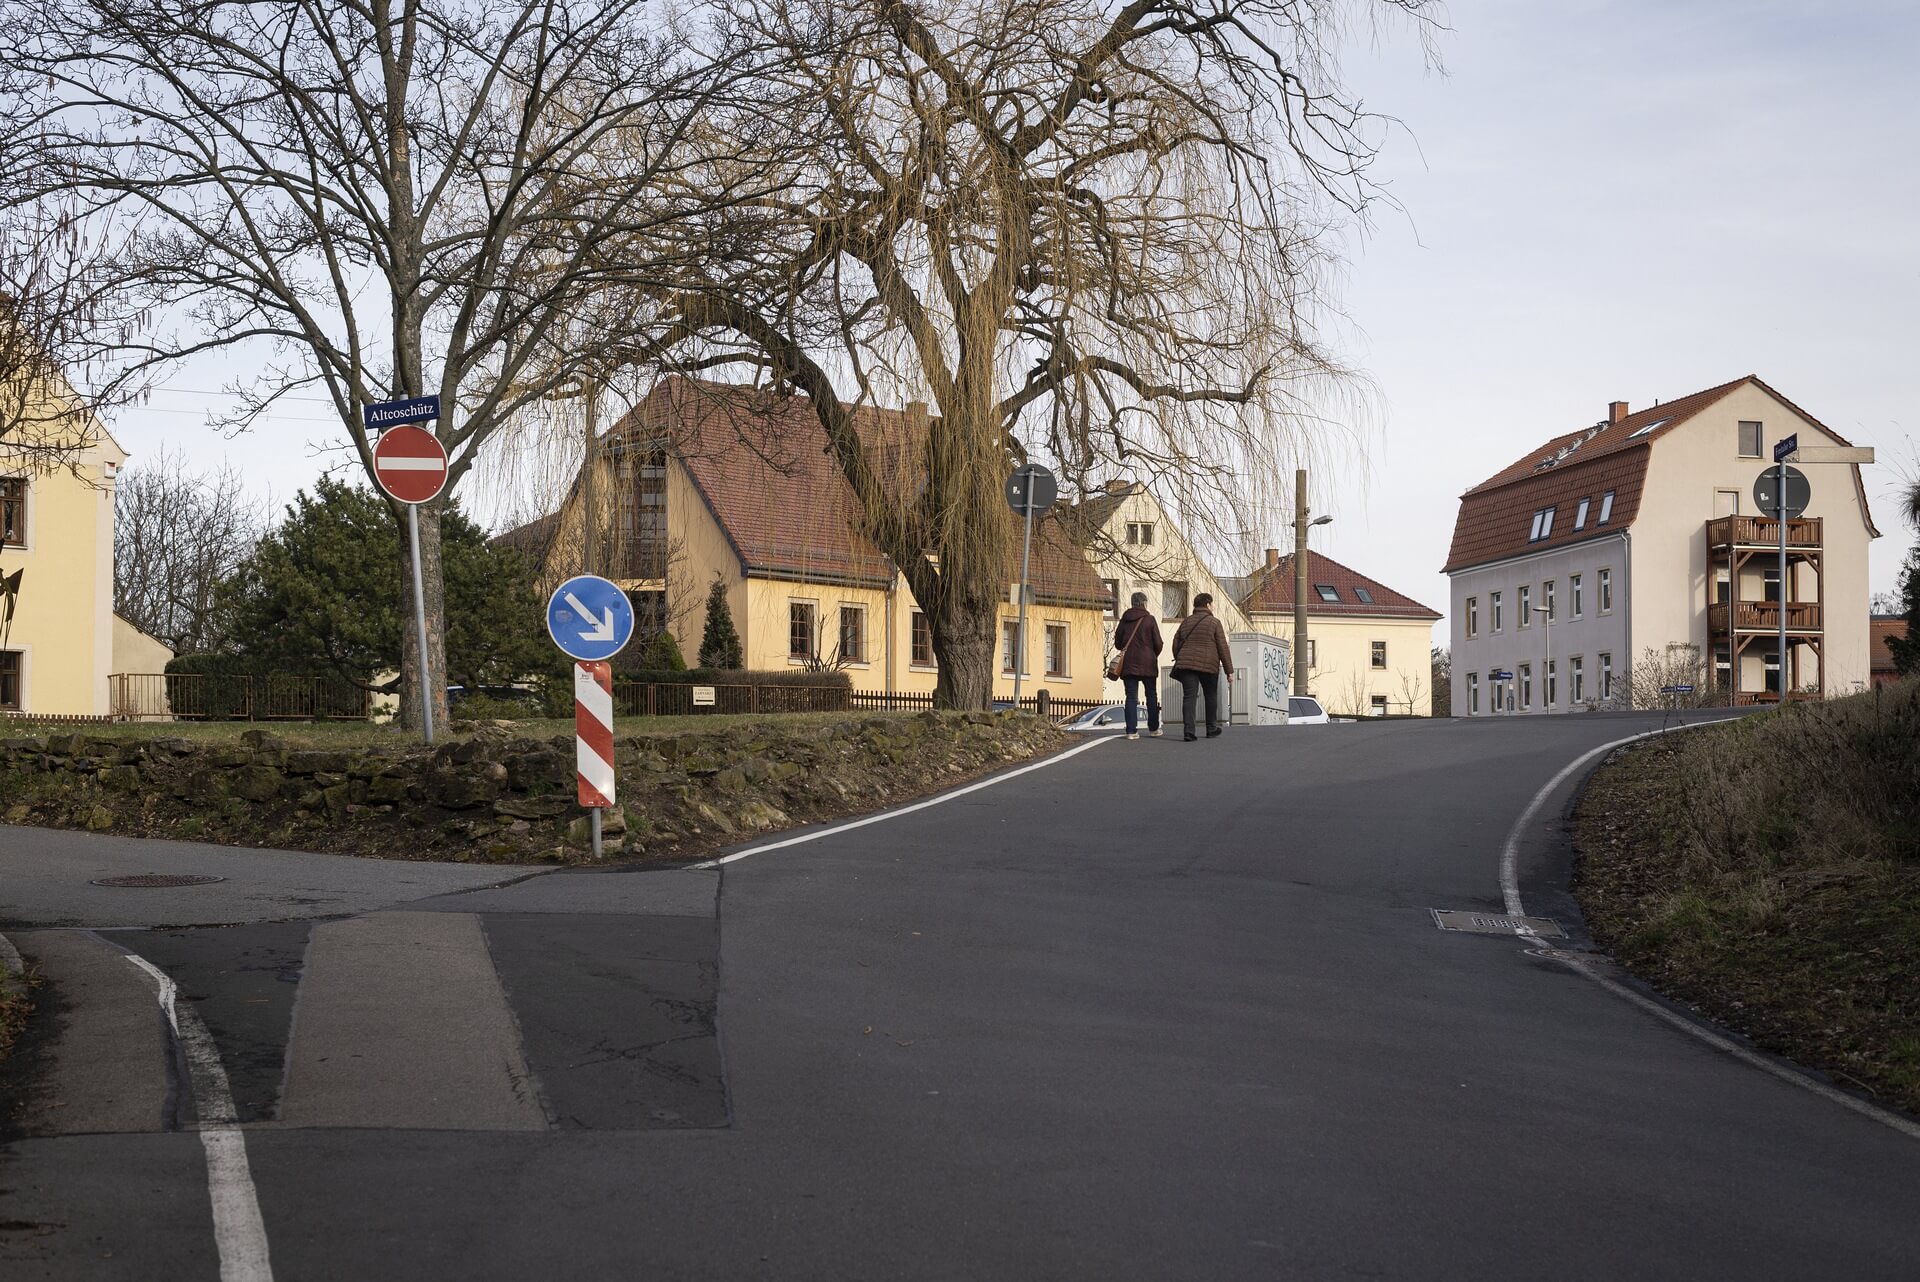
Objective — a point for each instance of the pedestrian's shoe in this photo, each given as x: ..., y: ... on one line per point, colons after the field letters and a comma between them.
x: 1133, y: 736
x: 1215, y: 733
x: 1155, y: 734
x: 1192, y: 737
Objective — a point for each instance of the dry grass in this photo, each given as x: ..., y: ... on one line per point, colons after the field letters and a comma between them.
x: 363, y: 734
x: 1768, y: 871
x: 16, y: 1003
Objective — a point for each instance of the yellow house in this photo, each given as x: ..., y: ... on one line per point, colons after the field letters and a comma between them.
x: 706, y: 481
x: 57, y: 634
x: 1369, y: 648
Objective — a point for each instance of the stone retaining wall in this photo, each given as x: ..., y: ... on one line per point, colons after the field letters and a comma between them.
x: 496, y: 796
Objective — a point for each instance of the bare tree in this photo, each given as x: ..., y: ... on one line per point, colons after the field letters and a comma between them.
x: 378, y: 198
x: 1441, y: 666
x: 177, y: 535
x: 1093, y: 233
x: 1655, y: 679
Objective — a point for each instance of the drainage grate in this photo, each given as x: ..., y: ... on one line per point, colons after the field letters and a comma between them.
x: 156, y: 880
x: 1496, y: 923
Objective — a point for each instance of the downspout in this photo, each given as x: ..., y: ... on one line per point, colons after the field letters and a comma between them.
x: 1626, y: 589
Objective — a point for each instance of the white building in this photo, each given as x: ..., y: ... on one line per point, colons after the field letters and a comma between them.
x: 1636, y: 538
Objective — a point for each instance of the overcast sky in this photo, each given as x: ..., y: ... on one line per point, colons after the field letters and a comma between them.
x: 1603, y: 201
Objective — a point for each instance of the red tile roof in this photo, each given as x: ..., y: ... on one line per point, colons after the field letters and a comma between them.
x: 1496, y: 516
x: 1881, y: 628
x: 1272, y: 592
x: 759, y: 460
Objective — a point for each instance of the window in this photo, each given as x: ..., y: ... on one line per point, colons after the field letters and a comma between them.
x: 1553, y: 685
x: 1366, y: 597
x: 1056, y: 649
x: 13, y: 511
x: 1546, y: 599
x: 1575, y: 598
x: 1327, y: 591
x: 1495, y: 597
x: 1526, y: 606
x: 1723, y: 665
x: 1473, y: 616
x: 1526, y: 685
x: 853, y: 633
x: 1173, y: 600
x: 1313, y: 654
x: 1606, y: 676
x: 1473, y: 694
x: 1378, y: 707
x: 1773, y: 671
x: 1140, y: 534
x: 922, y: 642
x: 10, y: 682
x: 1542, y: 525
x: 1749, y: 440
x: 1379, y: 654
x: 1722, y: 585
x: 1606, y: 591
x: 1580, y: 516
x: 1771, y: 577
x: 1606, y: 508
x: 800, y: 634
x: 1009, y: 644
x: 1112, y: 588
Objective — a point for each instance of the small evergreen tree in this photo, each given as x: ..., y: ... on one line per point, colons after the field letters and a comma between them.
x: 663, y: 655
x: 1906, y: 649
x: 720, y: 644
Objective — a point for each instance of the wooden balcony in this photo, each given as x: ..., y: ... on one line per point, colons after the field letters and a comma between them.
x: 1764, y: 616
x: 1803, y: 533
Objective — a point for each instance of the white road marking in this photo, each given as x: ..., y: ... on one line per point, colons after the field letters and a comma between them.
x: 907, y: 810
x: 238, y: 1231
x: 1510, y: 889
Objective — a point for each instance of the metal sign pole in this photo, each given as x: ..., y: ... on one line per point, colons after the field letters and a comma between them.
x: 420, y: 621
x: 1780, y: 514
x: 1020, y: 628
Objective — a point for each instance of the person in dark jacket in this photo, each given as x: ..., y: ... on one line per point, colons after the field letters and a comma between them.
x: 1200, y: 655
x: 1137, y: 637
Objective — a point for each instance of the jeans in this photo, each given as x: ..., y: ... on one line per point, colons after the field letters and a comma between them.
x: 1193, y: 684
x: 1133, y: 703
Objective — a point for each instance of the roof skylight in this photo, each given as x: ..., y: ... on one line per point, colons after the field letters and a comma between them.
x: 1659, y: 422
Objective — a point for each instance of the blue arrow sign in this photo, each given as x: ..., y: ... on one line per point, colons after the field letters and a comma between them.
x: 1785, y: 446
x: 589, y: 618
x: 415, y: 409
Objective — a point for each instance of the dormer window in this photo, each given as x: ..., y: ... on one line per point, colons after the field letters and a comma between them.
x: 1606, y: 508
x: 1327, y: 591
x: 1542, y: 525
x: 1580, y: 516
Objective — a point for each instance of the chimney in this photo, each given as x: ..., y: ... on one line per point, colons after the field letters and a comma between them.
x: 1616, y: 410
x: 1273, y: 558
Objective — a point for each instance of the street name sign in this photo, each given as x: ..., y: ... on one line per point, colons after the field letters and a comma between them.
x: 1833, y: 454
x: 413, y: 409
x: 1785, y: 446
x: 1799, y: 492
x: 589, y: 618
x: 1499, y: 674
x: 410, y: 464
x: 1679, y: 689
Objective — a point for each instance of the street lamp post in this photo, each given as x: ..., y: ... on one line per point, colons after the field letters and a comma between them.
x: 1301, y: 523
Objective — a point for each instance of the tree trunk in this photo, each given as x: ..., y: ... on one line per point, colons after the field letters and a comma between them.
x: 436, y: 609
x: 965, y: 644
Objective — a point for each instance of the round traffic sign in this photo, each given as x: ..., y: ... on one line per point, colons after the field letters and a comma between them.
x: 1799, y: 492
x: 589, y: 618
x: 1031, y: 490
x: 410, y: 464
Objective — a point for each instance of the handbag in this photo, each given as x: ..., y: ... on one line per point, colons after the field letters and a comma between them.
x: 1113, y: 668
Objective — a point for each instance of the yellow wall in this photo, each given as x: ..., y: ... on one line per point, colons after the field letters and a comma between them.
x: 62, y: 626
x: 1343, y: 677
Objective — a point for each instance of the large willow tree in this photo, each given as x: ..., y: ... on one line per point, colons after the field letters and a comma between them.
x: 1097, y: 234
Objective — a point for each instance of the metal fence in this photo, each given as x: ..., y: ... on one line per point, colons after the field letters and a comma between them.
x: 647, y: 699
x: 205, y: 696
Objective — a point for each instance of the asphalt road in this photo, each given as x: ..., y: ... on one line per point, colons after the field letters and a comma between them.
x: 1157, y: 1010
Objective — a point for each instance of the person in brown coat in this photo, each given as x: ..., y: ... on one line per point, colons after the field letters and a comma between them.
x: 1200, y: 655
x: 1137, y: 637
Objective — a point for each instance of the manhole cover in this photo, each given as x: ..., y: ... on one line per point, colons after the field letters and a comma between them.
x: 1496, y: 923
x: 156, y: 880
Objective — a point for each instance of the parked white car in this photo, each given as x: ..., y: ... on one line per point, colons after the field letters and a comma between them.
x: 1305, y: 710
x: 1102, y: 720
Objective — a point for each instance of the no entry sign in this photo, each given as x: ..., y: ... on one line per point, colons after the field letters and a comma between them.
x: 410, y: 464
